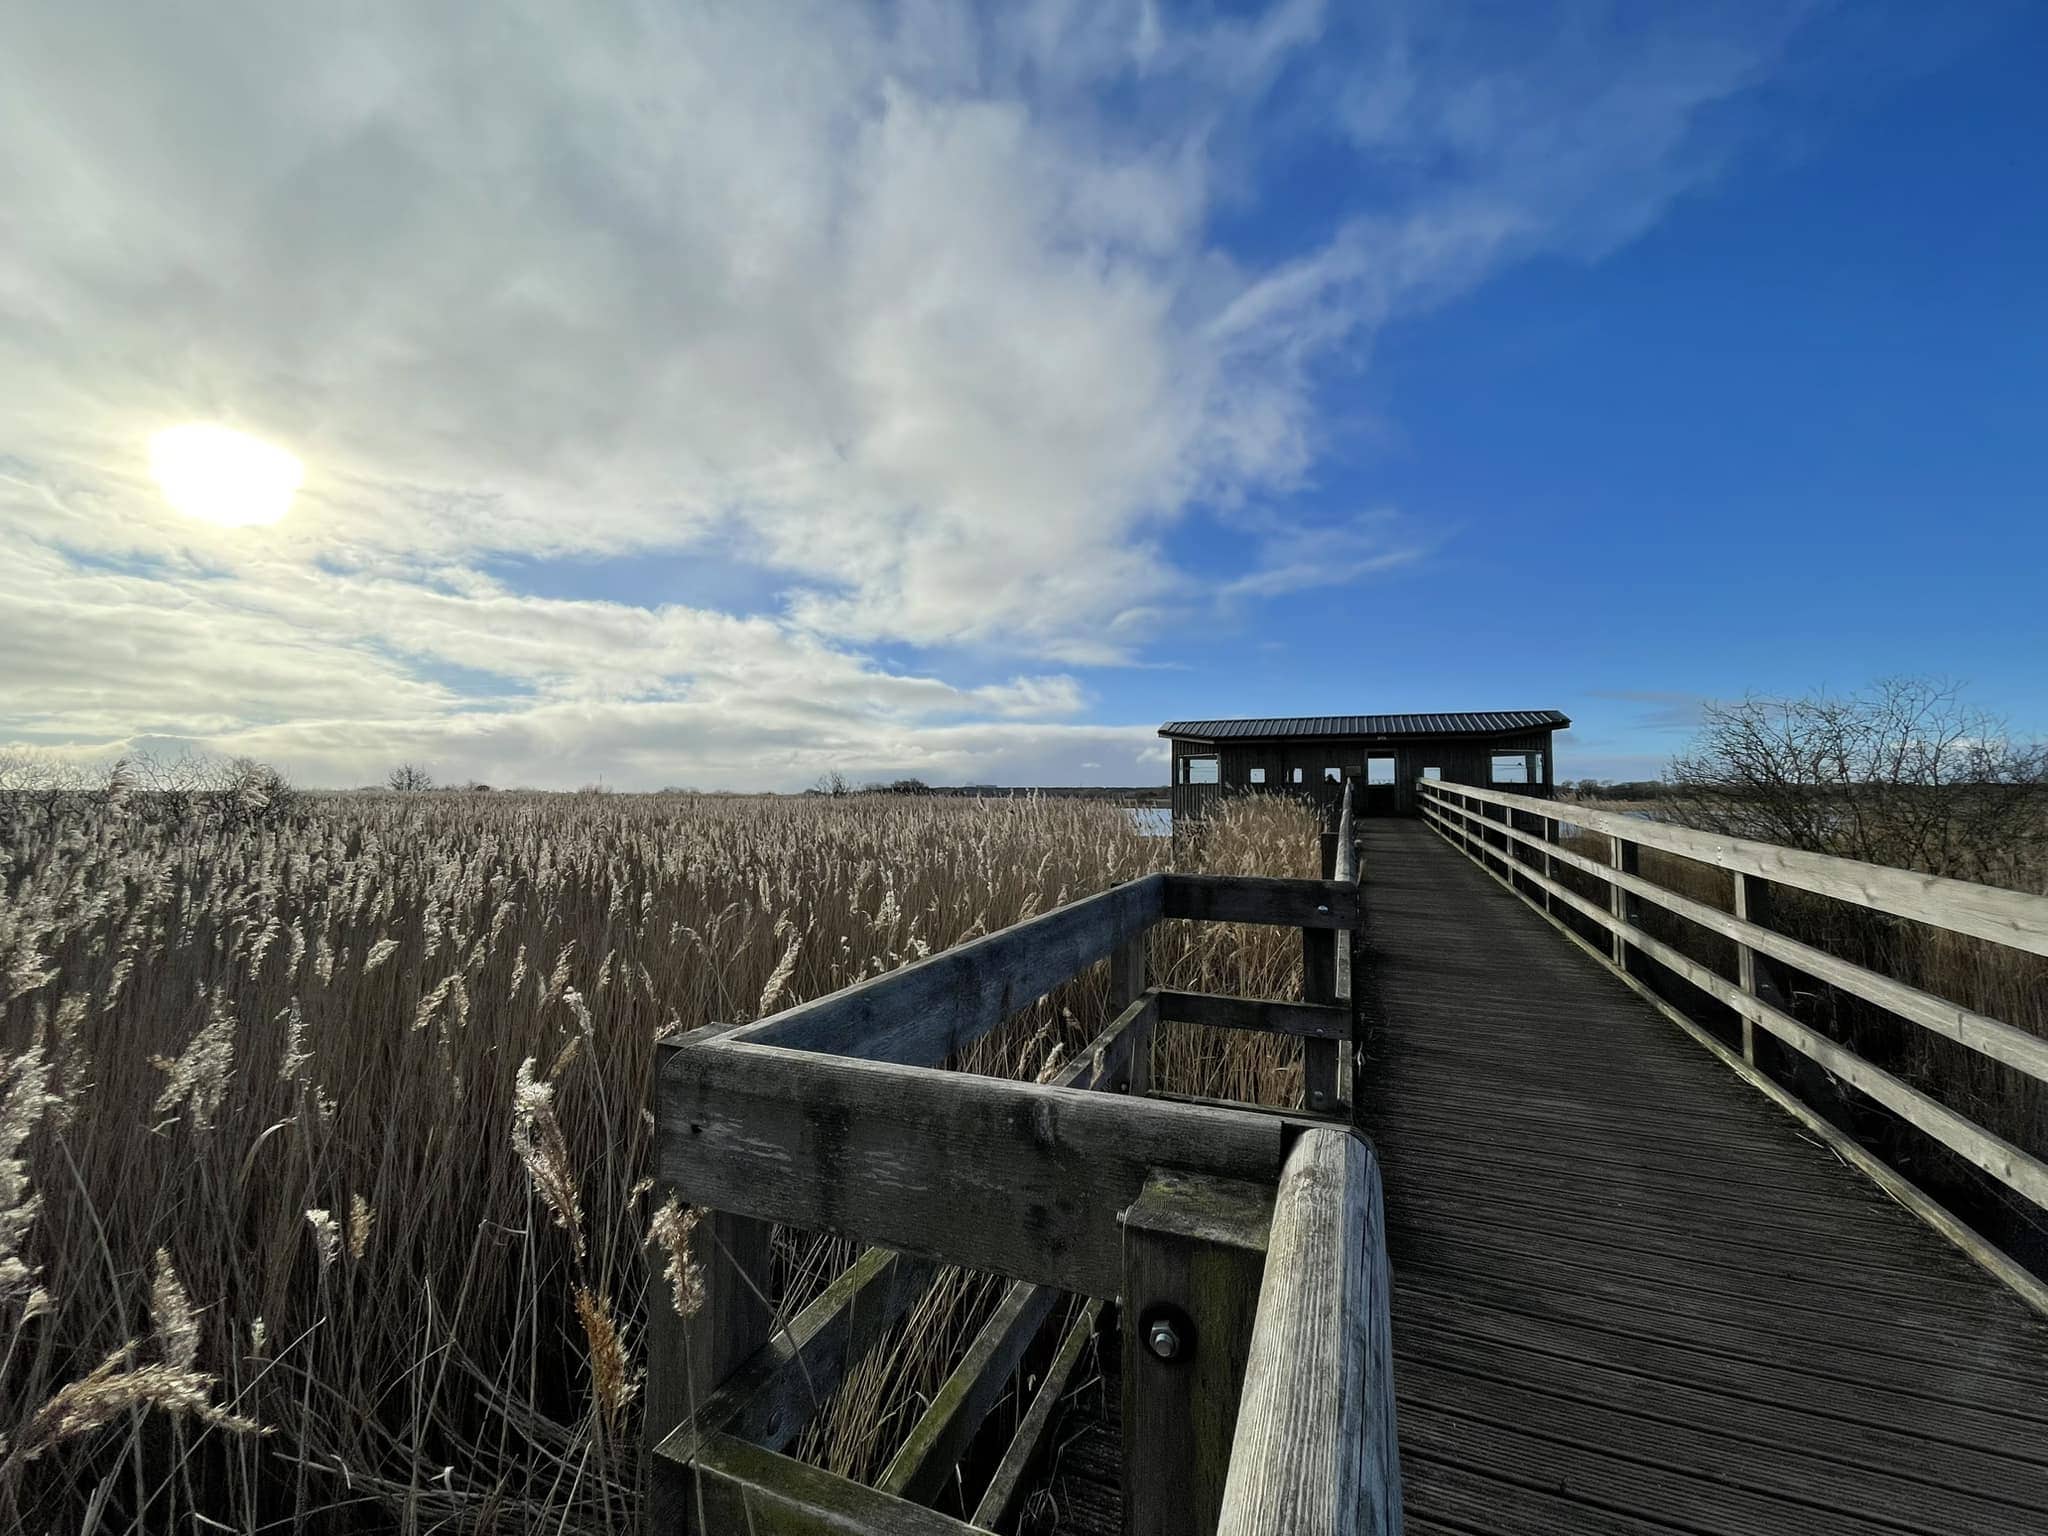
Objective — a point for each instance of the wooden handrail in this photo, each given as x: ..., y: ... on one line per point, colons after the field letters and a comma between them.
x: 835, y: 1116
x: 2016, y: 1048
x: 2013, y: 918
x: 2012, y: 1166
x: 1315, y: 1450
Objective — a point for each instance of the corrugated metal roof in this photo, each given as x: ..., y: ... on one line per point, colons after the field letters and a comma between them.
x: 1493, y: 722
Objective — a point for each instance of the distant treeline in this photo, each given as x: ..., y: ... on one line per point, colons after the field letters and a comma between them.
x: 836, y: 784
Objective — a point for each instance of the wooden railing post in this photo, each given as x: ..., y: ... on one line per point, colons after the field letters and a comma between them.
x: 1319, y: 985
x: 1625, y: 856
x: 1194, y: 1255
x: 689, y: 1358
x: 1751, y: 904
x: 1322, y: 1060
x: 1128, y: 966
x: 1549, y: 864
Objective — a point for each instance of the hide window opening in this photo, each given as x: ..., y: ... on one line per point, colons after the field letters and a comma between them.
x: 1432, y: 772
x: 1333, y: 775
x: 1297, y: 776
x: 1514, y: 767
x: 1379, y: 770
x: 1257, y: 776
x: 1199, y: 770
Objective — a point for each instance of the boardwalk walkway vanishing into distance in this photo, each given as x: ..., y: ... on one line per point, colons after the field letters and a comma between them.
x: 1539, y: 1252
x: 1629, y: 1293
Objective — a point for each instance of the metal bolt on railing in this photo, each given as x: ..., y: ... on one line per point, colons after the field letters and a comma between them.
x: 1163, y: 1340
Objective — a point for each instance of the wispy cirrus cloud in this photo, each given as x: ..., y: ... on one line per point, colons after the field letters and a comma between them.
x: 1296, y: 556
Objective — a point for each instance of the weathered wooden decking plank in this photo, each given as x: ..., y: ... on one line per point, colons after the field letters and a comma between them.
x: 1628, y: 1294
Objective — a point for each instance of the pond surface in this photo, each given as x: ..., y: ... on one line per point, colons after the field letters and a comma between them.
x: 1151, y: 820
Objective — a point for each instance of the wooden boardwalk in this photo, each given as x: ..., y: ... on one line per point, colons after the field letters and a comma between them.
x: 1629, y: 1295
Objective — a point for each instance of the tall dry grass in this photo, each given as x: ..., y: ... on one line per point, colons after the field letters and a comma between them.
x: 323, y: 1145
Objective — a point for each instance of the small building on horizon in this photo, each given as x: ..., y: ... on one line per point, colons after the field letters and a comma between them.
x: 1382, y: 755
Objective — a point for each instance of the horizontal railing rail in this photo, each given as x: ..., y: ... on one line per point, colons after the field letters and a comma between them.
x: 2014, y: 918
x: 1459, y: 813
x: 1216, y: 1234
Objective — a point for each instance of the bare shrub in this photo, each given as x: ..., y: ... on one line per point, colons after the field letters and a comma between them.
x: 1905, y: 773
x: 409, y: 778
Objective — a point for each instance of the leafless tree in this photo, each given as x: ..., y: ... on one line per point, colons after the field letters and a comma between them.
x: 1905, y: 773
x: 409, y: 778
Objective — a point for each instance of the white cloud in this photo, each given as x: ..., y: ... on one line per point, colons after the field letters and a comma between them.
x: 1295, y: 556
x: 919, y: 308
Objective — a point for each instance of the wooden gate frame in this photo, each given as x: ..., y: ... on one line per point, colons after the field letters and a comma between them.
x: 1243, y: 1247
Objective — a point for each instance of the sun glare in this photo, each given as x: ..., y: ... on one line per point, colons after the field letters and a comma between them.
x: 222, y: 476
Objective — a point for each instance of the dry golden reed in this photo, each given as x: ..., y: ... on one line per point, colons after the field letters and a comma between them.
x: 277, y: 1149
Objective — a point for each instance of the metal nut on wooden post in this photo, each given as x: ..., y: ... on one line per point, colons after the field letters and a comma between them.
x: 1163, y: 1339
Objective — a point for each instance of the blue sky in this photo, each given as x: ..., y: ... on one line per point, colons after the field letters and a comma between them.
x: 722, y: 395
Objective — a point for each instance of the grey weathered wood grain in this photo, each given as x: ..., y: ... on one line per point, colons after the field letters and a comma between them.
x: 1021, y: 1179
x: 937, y: 1007
x: 1987, y: 1151
x: 1129, y: 982
x: 2016, y: 918
x: 1292, y: 1121
x: 774, y: 1393
x: 1319, y: 989
x: 1315, y: 1451
x: 1308, y: 1021
x: 2016, y: 1169
x: 1751, y: 901
x: 1346, y: 978
x: 924, y: 1463
x: 2016, y: 1048
x: 1244, y: 899
x: 999, y: 1498
x: 1117, y: 1060
x: 1625, y: 858
x: 1698, y: 1329
x: 690, y: 1357
x: 1194, y: 1252
x: 747, y: 1490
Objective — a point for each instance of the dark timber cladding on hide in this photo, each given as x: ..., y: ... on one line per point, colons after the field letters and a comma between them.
x: 1383, y: 757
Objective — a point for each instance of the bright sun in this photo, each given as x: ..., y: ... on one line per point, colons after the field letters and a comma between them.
x: 223, y: 476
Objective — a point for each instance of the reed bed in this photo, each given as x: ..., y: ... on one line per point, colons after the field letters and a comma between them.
x: 323, y: 1142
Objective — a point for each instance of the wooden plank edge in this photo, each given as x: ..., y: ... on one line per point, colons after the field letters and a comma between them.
x: 1000, y: 1497
x: 741, y: 1487
x: 803, y: 1361
x: 1972, y: 1244
x: 1283, y: 903
x: 985, y: 973
x: 1110, y: 1061
x: 1305, y: 1021
x: 876, y: 1151
x: 940, y: 1436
